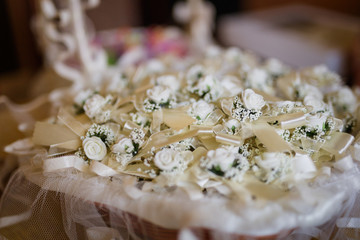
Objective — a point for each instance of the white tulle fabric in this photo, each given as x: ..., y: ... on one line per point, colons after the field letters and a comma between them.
x: 75, y: 204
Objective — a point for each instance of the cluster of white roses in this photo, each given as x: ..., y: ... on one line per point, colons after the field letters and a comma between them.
x: 226, y: 162
x: 225, y: 94
x: 248, y: 106
x: 97, y: 108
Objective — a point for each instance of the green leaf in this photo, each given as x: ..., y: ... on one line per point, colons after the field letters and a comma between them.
x: 217, y: 170
x: 233, y: 129
x: 136, y: 148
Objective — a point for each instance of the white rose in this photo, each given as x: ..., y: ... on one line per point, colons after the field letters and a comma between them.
x: 316, y: 103
x: 207, y: 83
x: 347, y: 98
x: 169, y: 81
x: 194, y: 74
x: 167, y: 159
x: 125, y: 145
x: 233, y: 55
x: 94, y: 105
x: 139, y: 119
x: 155, y: 66
x: 252, y: 100
x: 221, y: 157
x: 311, y: 90
x: 117, y: 81
x: 159, y: 94
x: 95, y: 148
x: 232, y: 86
x: 201, y: 109
x: 270, y: 160
x: 232, y: 123
x: 82, y: 96
x: 274, y: 66
x: 320, y: 70
x: 257, y: 78
x: 303, y: 166
x: 316, y: 121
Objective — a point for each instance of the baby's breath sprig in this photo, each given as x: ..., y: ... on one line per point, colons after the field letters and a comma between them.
x: 103, y: 132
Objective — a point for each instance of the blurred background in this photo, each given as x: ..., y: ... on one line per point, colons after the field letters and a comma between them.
x: 300, y: 33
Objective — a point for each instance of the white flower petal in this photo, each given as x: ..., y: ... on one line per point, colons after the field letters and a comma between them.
x: 94, y: 148
x: 252, y: 100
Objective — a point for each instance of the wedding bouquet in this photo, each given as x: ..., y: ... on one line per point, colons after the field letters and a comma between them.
x: 226, y: 142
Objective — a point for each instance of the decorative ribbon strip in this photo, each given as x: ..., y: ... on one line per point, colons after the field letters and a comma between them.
x: 292, y: 120
x: 157, y: 121
x: 72, y: 161
x: 338, y: 143
x: 48, y: 134
x: 75, y: 126
x: 101, y: 169
x: 204, y: 131
x: 164, y: 138
x: 70, y: 145
x: 178, y: 118
x: 288, y: 121
x: 129, y: 126
x: 63, y: 162
x: 20, y: 147
x: 229, y: 139
x: 269, y: 137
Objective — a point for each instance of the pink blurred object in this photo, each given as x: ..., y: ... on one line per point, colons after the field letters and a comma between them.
x: 156, y: 41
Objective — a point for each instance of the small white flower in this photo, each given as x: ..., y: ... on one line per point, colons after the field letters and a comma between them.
x: 271, y: 160
x: 155, y: 66
x: 221, y: 157
x: 233, y: 55
x: 94, y: 148
x: 312, y: 90
x: 232, y: 125
x: 316, y: 121
x: 201, y: 109
x: 257, y: 77
x: 346, y: 99
x: 252, y: 100
x: 169, y: 81
x: 231, y: 85
x: 324, y: 77
x: 208, y: 88
x: 316, y: 103
x: 159, y: 94
x: 140, y: 119
x: 275, y: 67
x: 275, y: 165
x: 94, y: 108
x: 167, y: 159
x: 320, y: 70
x: 302, y: 89
x: 207, y: 83
x: 194, y: 74
x: 125, y: 145
x: 117, y: 81
x: 137, y: 135
x: 82, y: 96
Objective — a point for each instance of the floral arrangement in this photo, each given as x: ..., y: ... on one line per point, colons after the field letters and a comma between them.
x: 212, y: 125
